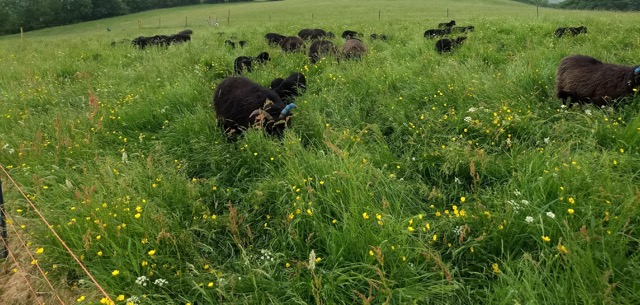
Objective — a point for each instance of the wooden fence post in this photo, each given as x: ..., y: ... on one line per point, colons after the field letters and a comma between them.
x: 3, y: 221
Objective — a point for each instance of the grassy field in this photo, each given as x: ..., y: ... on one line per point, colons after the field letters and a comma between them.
x: 407, y: 177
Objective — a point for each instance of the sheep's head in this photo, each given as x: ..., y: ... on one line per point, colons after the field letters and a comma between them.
x: 263, y: 118
x: 636, y: 79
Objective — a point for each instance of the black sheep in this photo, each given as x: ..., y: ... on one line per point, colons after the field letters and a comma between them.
x: 263, y: 57
x: 244, y: 62
x: 240, y: 103
x: 463, y: 29
x: 585, y: 79
x: 375, y: 36
x: 447, y: 45
x: 292, y: 44
x: 179, y: 38
x: 312, y: 34
x: 353, y: 48
x: 274, y: 38
x: 292, y: 86
x: 433, y: 33
x: 572, y: 31
x: 319, y: 48
x: 230, y: 43
x: 446, y: 25
x: 350, y: 34
x: 185, y: 32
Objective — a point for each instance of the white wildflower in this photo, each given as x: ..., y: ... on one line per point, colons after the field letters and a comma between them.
x: 551, y: 215
x: 528, y: 219
x: 467, y: 119
x: 142, y: 280
x: 161, y: 282
x: 312, y: 260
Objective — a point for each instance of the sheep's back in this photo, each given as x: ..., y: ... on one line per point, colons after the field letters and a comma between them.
x: 236, y: 98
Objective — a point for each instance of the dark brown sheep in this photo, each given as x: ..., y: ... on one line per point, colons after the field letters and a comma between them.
x: 319, y: 48
x: 585, y: 79
x: 240, y: 103
x: 292, y: 44
x: 274, y: 38
x: 353, y: 48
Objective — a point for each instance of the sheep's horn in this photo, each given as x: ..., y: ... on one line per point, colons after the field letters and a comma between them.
x: 262, y: 113
x: 286, y: 111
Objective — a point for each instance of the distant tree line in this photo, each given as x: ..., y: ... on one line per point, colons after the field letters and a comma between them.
x: 37, y: 14
x: 609, y: 5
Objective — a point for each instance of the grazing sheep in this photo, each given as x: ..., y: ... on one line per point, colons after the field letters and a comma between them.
x: 292, y: 86
x: 351, y: 34
x: 433, y: 33
x: 179, y: 38
x: 274, y: 38
x: 312, y: 34
x: 242, y: 43
x: 263, y: 57
x: 244, y: 62
x: 463, y: 29
x: 447, y: 45
x: 230, y: 43
x: 292, y: 44
x: 572, y: 31
x: 185, y: 32
x: 240, y: 103
x: 585, y: 79
x: 353, y: 48
x: 319, y: 48
x: 375, y: 36
x: 446, y: 25
x: 157, y: 40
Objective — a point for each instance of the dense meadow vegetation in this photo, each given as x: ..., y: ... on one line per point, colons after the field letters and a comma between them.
x: 407, y: 177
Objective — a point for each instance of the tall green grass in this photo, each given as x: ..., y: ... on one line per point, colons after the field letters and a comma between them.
x: 412, y: 177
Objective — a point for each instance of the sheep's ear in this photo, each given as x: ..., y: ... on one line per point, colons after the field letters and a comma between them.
x: 636, y: 71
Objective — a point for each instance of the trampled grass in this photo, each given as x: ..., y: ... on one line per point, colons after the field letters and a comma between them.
x: 407, y: 177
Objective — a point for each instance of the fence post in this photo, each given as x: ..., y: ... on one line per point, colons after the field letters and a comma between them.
x: 311, y: 16
x: 159, y: 23
x: 139, y: 25
x: 447, y: 13
x: 186, y: 22
x: 228, y: 17
x: 3, y: 223
x: 378, y: 15
x: 537, y: 11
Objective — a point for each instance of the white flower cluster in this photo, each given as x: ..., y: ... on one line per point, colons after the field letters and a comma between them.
x: 142, y: 280
x: 161, y: 282
x: 133, y: 300
x: 266, y: 255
